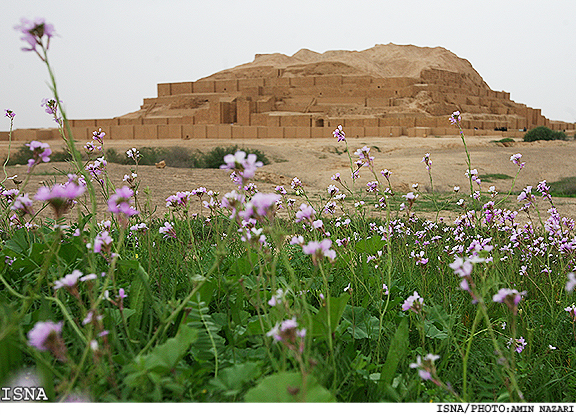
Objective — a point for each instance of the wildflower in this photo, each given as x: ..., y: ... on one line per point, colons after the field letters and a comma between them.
x: 339, y: 134
x: 386, y: 173
x: 96, y: 168
x: 336, y: 177
x: 277, y: 298
x: 46, y: 336
x: 69, y: 281
x: 10, y: 114
x: 348, y: 287
x: 551, y: 347
x: 455, y: 118
x: 51, y: 108
x: 102, y: 240
x: 385, y: 289
x: 509, y: 297
x: 571, y: 311
x: 244, y: 166
x: 119, y: 202
x: 526, y: 194
x: 61, y: 197
x: 98, y: 135
x: 410, y: 196
x: 319, y: 250
x: 414, y: 303
x: 280, y: 190
x: 571, y: 282
x: 420, y: 259
x: 168, y: 230
x: 23, y: 204
x: 515, y: 158
x: 456, y: 189
x: 519, y: 344
x: 261, y: 205
x: 372, y: 187
x: 364, y: 157
x: 296, y: 184
x: 133, y: 154
x: 34, y: 33
x: 426, y: 160
x: 426, y: 368
x: 306, y: 213
x: 288, y: 334
x: 40, y: 152
x: 88, y: 277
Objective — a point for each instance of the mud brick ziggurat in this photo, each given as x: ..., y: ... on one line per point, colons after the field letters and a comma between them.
x: 387, y: 90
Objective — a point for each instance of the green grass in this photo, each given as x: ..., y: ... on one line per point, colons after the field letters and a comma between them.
x: 565, y: 187
x: 183, y: 157
x: 489, y: 178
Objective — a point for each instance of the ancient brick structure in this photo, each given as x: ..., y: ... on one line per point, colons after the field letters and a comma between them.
x: 369, y: 93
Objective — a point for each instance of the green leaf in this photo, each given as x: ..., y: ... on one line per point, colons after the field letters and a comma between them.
x: 432, y: 331
x: 320, y: 319
x: 164, y: 357
x: 233, y: 378
x: 288, y: 387
x: 396, y: 352
x: 362, y: 325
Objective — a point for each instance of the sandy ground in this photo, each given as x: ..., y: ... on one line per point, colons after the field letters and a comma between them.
x: 314, y: 161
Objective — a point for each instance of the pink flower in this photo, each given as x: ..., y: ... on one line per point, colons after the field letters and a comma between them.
x: 509, y: 297
x: 319, y: 250
x: 119, y: 202
x: 414, y: 303
x: 426, y: 368
x: 34, y: 32
x: 339, y: 134
x: 40, y: 152
x: 61, y: 196
x: 44, y: 333
x: 168, y: 230
x: 245, y: 166
x: 69, y: 280
x: 306, y: 213
x: 571, y: 282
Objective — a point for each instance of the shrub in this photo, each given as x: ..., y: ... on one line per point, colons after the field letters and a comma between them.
x: 24, y: 154
x: 544, y: 133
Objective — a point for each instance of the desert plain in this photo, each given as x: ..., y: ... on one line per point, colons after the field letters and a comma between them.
x: 314, y: 161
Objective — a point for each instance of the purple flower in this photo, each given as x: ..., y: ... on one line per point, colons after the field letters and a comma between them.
x: 60, y: 197
x: 261, y: 205
x: 119, y: 202
x: 245, y: 166
x: 306, y: 213
x: 287, y: 332
x: 52, y: 108
x: 515, y: 158
x: 40, y: 152
x: 98, y: 135
x: 571, y: 311
x: 519, y: 344
x: 168, y: 230
x: 23, y: 203
x: 339, y: 134
x: 10, y: 114
x: 46, y: 336
x: 319, y: 250
x: 571, y: 282
x: 455, y: 118
x: 34, y: 32
x: 426, y: 160
x: 70, y: 280
x: 102, y: 240
x: 509, y: 297
x: 414, y: 303
x: 426, y: 367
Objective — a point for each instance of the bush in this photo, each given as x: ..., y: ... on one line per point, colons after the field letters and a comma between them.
x: 544, y: 133
x: 182, y: 157
x: 24, y: 154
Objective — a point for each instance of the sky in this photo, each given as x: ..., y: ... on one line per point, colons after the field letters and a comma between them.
x: 110, y: 54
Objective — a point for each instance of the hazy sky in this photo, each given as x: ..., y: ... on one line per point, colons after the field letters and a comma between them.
x: 110, y: 54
